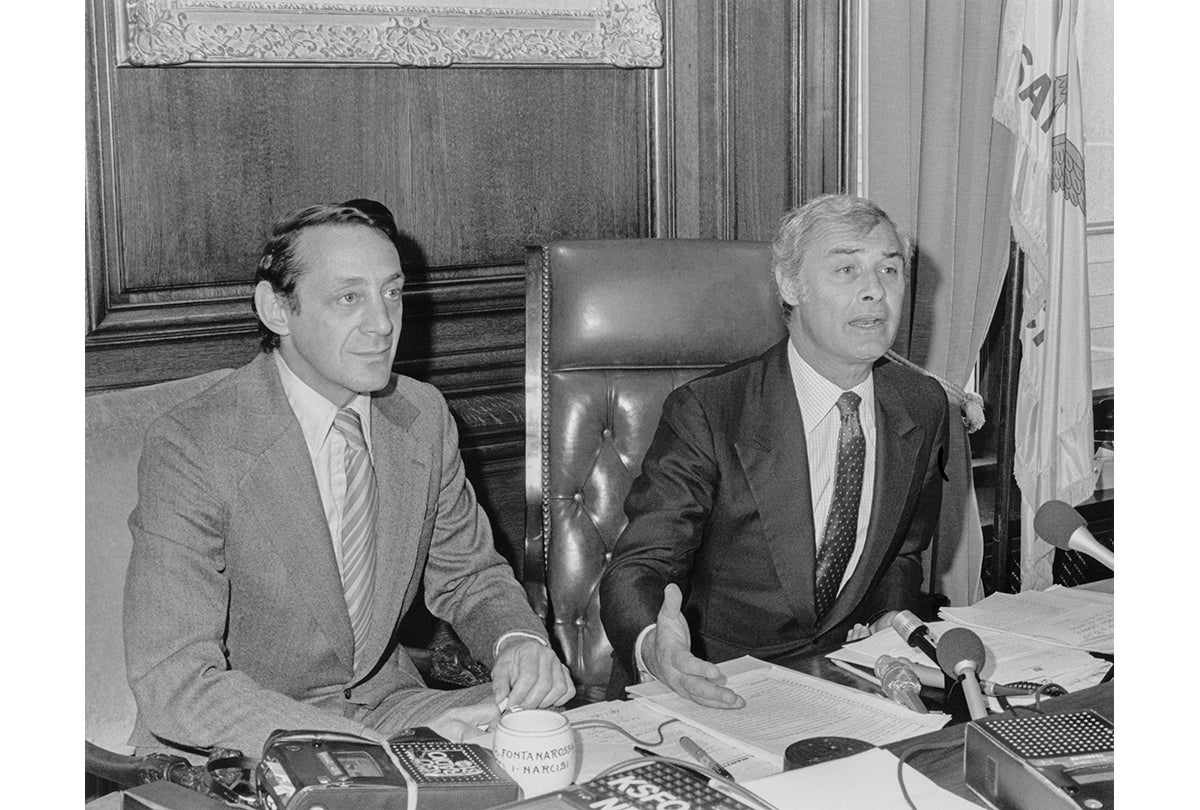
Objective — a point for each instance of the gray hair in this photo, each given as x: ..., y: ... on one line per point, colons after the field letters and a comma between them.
x: 797, y: 226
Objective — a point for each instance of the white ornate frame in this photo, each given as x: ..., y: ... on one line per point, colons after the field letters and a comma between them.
x: 624, y: 33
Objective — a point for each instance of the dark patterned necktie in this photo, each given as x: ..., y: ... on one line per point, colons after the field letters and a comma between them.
x: 841, y: 527
x: 358, y: 527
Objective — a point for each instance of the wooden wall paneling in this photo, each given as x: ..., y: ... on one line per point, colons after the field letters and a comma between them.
x: 742, y: 130
x: 502, y: 158
x: 189, y: 166
x: 825, y: 95
x: 765, y: 114
x: 192, y: 165
x: 690, y: 146
x: 671, y: 144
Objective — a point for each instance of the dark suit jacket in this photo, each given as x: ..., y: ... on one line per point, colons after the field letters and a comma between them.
x: 723, y: 508
x: 235, y: 618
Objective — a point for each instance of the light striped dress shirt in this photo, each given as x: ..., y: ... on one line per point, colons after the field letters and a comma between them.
x: 818, y: 408
x: 326, y: 446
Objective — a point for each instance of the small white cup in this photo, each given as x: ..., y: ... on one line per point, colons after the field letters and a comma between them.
x: 537, y: 749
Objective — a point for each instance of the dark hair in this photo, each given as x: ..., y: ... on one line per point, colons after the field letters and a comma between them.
x: 279, y: 265
x: 796, y: 227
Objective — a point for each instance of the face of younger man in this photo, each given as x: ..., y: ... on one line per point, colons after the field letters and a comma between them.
x: 340, y: 332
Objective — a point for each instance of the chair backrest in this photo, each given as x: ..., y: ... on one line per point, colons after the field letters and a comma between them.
x: 116, y: 425
x: 612, y: 327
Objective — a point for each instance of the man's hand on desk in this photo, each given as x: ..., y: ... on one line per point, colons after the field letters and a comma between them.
x: 530, y: 676
x: 861, y: 631
x: 668, y: 655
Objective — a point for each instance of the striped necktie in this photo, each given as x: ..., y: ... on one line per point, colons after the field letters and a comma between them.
x: 841, y: 527
x: 358, y: 527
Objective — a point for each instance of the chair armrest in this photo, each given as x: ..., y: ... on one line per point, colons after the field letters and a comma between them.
x: 126, y: 771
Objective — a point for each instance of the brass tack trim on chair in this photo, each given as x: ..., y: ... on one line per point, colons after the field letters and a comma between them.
x: 546, y: 421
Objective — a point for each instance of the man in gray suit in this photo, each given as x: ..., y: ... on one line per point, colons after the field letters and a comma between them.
x: 288, y: 515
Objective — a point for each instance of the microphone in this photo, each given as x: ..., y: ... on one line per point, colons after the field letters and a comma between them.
x: 914, y: 633
x: 927, y: 675
x: 961, y: 655
x: 993, y: 689
x: 899, y: 682
x: 1063, y: 527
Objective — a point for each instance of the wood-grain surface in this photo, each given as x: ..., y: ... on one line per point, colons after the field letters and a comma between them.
x: 189, y: 166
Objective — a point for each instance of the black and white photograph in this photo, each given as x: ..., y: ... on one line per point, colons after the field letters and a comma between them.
x: 647, y: 403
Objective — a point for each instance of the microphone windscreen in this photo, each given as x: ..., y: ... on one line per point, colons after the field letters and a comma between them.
x: 959, y: 644
x: 1056, y: 521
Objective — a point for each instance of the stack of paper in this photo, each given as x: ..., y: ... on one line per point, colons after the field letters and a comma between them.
x: 866, y: 781
x: 1067, y: 617
x: 1037, y: 636
x: 783, y: 706
x: 1009, y: 658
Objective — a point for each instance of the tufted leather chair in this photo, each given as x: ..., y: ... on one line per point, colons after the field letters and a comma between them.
x: 612, y: 327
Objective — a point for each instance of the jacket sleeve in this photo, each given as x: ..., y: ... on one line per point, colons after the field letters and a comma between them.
x: 668, y: 508
x: 467, y: 582
x: 177, y: 606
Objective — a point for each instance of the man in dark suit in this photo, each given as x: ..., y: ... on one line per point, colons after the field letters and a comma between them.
x: 786, y: 499
x: 288, y: 515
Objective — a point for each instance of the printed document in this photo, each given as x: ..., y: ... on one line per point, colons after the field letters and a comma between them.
x: 600, y: 746
x: 865, y: 781
x: 1068, y: 617
x: 783, y: 706
x: 1009, y: 658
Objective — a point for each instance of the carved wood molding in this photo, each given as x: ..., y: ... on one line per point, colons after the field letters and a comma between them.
x: 624, y: 33
x: 204, y: 312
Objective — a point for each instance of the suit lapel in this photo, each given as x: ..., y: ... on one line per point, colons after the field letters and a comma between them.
x: 402, y: 473
x: 774, y: 456
x: 283, y: 489
x: 897, y: 440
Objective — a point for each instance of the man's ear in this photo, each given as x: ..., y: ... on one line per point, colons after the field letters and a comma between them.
x: 789, y: 287
x: 272, y: 309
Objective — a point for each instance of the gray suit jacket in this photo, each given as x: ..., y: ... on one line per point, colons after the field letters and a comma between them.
x: 235, y: 619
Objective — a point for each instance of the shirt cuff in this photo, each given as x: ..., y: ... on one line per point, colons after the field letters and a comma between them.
x: 643, y: 672
x: 511, y: 633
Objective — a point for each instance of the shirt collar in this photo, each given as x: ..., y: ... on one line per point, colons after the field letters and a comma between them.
x: 314, y: 412
x: 818, y: 396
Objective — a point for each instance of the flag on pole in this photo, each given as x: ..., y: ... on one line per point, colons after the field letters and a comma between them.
x: 1038, y: 99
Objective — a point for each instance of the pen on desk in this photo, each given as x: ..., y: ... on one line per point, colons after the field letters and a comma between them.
x: 646, y: 752
x: 853, y: 670
x: 704, y: 758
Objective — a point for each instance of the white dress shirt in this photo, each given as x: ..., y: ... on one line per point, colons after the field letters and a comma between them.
x: 822, y: 423
x: 818, y: 408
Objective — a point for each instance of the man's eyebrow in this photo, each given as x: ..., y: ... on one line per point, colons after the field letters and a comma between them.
x: 849, y: 251
x: 358, y: 281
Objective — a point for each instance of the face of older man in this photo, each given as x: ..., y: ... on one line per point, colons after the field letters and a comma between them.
x: 847, y: 299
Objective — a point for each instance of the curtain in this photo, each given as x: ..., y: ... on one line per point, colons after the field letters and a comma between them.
x: 934, y: 159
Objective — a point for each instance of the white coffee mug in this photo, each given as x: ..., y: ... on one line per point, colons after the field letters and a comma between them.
x: 537, y: 749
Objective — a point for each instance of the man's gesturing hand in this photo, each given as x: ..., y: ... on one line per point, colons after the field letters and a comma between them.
x: 667, y: 652
x: 530, y: 675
